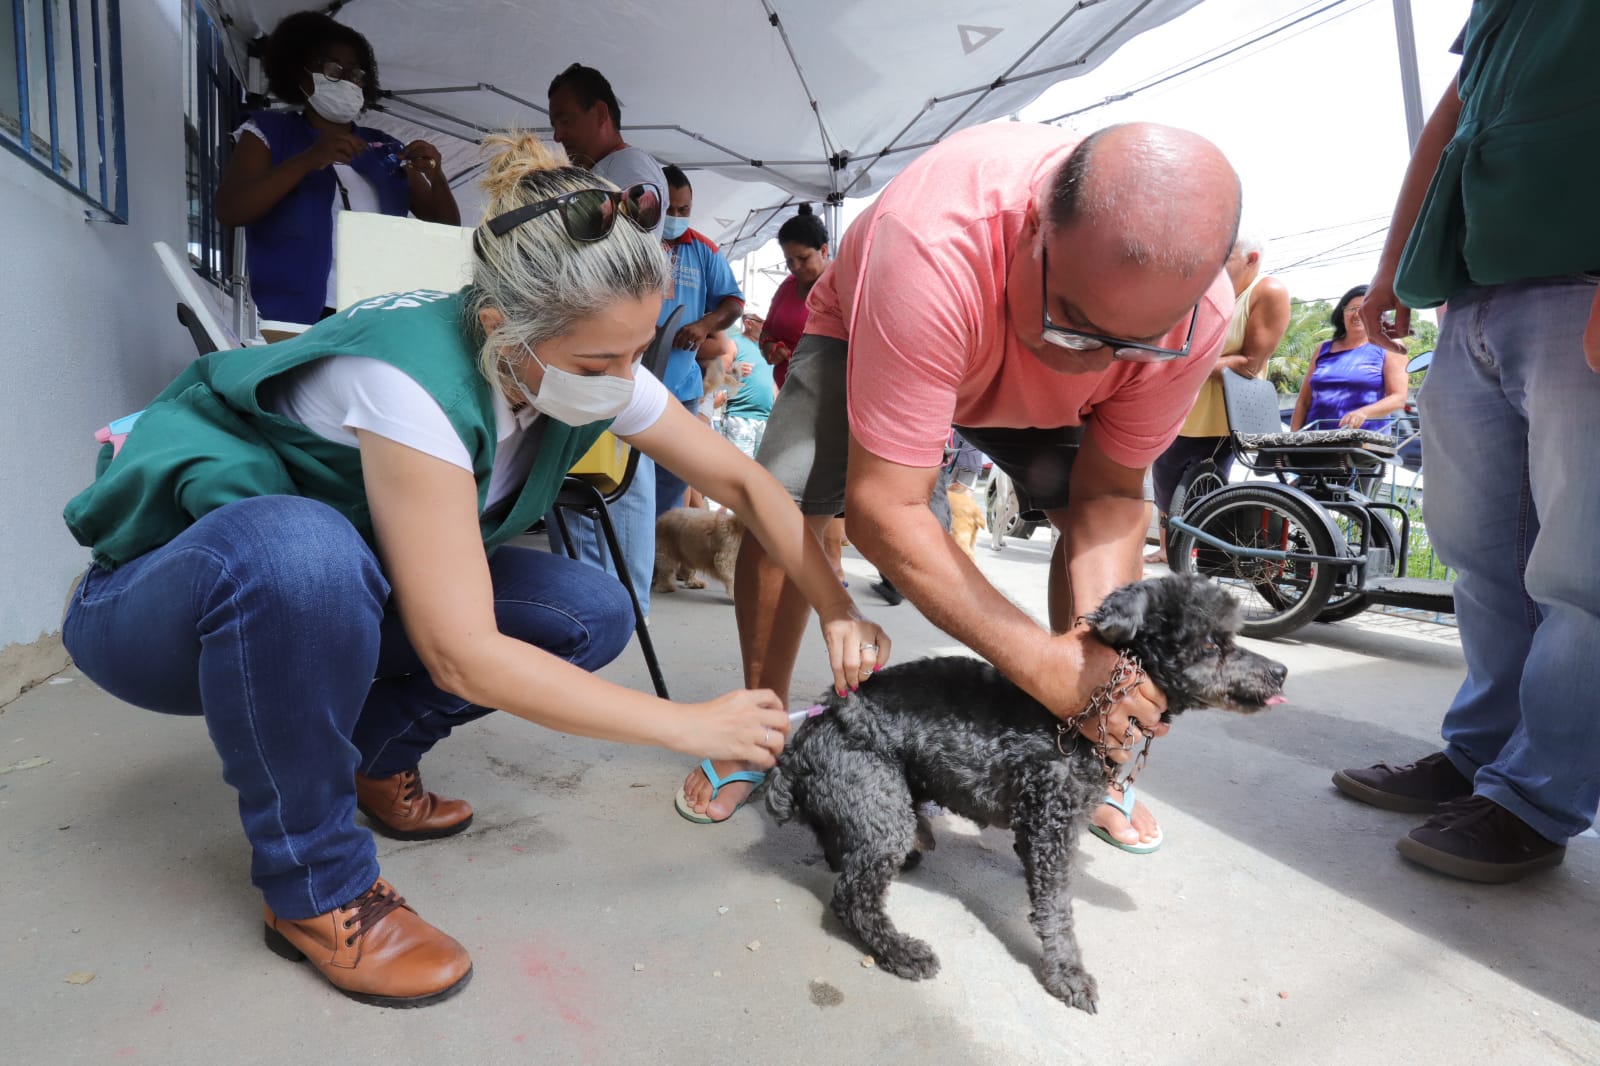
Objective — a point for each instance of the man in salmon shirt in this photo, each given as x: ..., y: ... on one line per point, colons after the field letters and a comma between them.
x: 1059, y: 300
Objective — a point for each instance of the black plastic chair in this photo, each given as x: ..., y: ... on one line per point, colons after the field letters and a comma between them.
x: 579, y: 495
x: 197, y: 331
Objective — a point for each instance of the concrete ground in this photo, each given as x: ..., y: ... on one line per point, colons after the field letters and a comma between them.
x: 1277, y: 924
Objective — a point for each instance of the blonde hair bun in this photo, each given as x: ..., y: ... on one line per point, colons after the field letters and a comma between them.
x: 512, y: 158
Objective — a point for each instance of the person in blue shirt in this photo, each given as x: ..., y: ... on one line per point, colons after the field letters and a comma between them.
x: 744, y: 419
x: 293, y: 171
x: 701, y: 281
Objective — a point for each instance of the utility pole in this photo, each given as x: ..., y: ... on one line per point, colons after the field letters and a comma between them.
x: 1410, y: 84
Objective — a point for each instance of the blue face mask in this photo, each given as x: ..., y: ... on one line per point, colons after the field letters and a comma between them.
x: 675, y: 227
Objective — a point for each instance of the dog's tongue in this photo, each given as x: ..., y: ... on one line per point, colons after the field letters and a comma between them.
x: 1273, y: 701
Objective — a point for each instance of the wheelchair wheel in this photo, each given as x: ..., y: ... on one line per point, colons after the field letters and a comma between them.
x: 1275, y: 596
x: 1346, y: 602
x: 1201, y: 480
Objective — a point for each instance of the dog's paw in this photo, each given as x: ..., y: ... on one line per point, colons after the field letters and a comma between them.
x: 691, y: 583
x: 910, y: 958
x: 1073, y: 986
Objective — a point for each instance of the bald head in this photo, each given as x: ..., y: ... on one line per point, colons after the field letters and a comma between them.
x: 1170, y: 196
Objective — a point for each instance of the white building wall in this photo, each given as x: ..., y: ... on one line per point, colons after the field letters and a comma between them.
x: 87, y: 333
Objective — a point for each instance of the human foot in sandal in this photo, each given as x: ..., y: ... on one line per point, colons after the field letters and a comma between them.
x: 1124, y: 822
x: 713, y: 791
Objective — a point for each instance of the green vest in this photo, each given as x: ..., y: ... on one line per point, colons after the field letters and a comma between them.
x: 206, y: 441
x: 1514, y: 193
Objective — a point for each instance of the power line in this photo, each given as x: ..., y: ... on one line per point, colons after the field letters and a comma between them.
x: 1240, y: 37
x: 1126, y: 93
x: 1274, y: 44
x: 1324, y: 229
x: 1323, y: 259
x: 1334, y: 248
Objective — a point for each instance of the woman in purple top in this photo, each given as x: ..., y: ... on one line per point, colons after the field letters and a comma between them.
x: 1351, y: 383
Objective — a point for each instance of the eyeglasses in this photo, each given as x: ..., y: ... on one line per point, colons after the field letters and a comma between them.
x: 1079, y: 341
x: 589, y: 214
x: 335, y: 71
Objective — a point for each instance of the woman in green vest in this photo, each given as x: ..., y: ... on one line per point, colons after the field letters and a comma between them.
x: 302, y: 544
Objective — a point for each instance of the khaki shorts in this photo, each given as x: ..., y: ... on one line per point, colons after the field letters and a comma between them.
x: 807, y: 442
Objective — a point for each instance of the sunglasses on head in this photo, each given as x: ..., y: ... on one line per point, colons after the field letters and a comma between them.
x: 1077, y: 340
x: 588, y: 214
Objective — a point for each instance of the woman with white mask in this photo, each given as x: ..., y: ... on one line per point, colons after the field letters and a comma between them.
x: 293, y: 171
x: 305, y: 544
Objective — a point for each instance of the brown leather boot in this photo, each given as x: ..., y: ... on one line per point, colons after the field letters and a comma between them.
x: 375, y: 949
x: 400, y: 808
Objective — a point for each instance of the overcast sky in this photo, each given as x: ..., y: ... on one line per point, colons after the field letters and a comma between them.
x: 1312, y: 119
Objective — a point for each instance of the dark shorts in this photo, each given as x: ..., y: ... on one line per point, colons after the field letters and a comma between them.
x: 807, y: 443
x: 1038, y: 462
x: 1184, y: 454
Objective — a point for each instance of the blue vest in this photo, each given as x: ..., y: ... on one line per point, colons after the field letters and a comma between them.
x: 289, y: 250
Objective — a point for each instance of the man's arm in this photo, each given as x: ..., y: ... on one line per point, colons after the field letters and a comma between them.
x: 888, y: 519
x: 1104, y: 528
x: 1591, y: 335
x: 1269, y: 321
x: 1440, y: 127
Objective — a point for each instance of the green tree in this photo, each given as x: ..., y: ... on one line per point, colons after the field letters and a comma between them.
x: 1424, y: 337
x: 1308, y: 327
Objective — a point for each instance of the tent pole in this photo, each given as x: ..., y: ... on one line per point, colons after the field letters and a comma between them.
x: 1410, y: 84
x: 830, y: 218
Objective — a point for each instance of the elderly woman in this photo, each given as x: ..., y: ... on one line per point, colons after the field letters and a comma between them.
x: 292, y: 172
x: 305, y: 545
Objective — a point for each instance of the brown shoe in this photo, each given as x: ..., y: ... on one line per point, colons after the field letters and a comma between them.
x: 400, y: 808
x: 1421, y: 787
x: 376, y: 950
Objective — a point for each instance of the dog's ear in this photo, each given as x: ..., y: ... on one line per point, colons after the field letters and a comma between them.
x: 1120, y: 615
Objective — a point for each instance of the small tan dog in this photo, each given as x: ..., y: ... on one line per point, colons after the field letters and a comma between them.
x: 692, y: 541
x: 966, y: 518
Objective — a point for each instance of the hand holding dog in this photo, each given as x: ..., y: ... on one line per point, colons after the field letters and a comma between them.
x: 1136, y: 715
x: 856, y: 648
x: 749, y: 725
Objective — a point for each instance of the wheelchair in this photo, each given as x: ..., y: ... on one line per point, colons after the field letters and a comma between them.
x: 1305, y: 541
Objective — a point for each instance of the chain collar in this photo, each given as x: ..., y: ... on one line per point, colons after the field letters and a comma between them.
x: 1125, y: 677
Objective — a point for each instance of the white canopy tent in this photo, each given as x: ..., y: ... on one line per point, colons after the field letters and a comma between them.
x: 767, y: 102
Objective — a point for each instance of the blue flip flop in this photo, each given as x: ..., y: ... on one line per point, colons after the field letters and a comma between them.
x: 755, y: 777
x: 1125, y: 805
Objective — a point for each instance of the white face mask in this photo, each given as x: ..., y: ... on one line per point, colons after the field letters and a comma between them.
x: 336, y: 101
x: 576, y: 399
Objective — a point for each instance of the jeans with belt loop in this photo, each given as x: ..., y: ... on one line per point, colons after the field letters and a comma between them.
x: 1511, y: 429
x: 267, y: 617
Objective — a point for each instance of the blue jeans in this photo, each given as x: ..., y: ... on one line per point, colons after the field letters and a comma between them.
x: 634, y: 516
x: 669, y: 486
x: 267, y: 617
x: 1511, y: 429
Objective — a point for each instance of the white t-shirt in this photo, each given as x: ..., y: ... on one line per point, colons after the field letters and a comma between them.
x: 363, y: 195
x: 336, y: 396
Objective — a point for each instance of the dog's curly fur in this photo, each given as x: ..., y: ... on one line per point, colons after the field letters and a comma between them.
x: 692, y: 541
x: 953, y: 731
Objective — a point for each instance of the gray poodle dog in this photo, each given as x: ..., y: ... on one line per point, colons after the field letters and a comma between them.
x: 953, y: 731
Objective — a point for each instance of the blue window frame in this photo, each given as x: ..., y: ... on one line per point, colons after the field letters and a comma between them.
x: 213, y: 108
x: 61, y: 96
